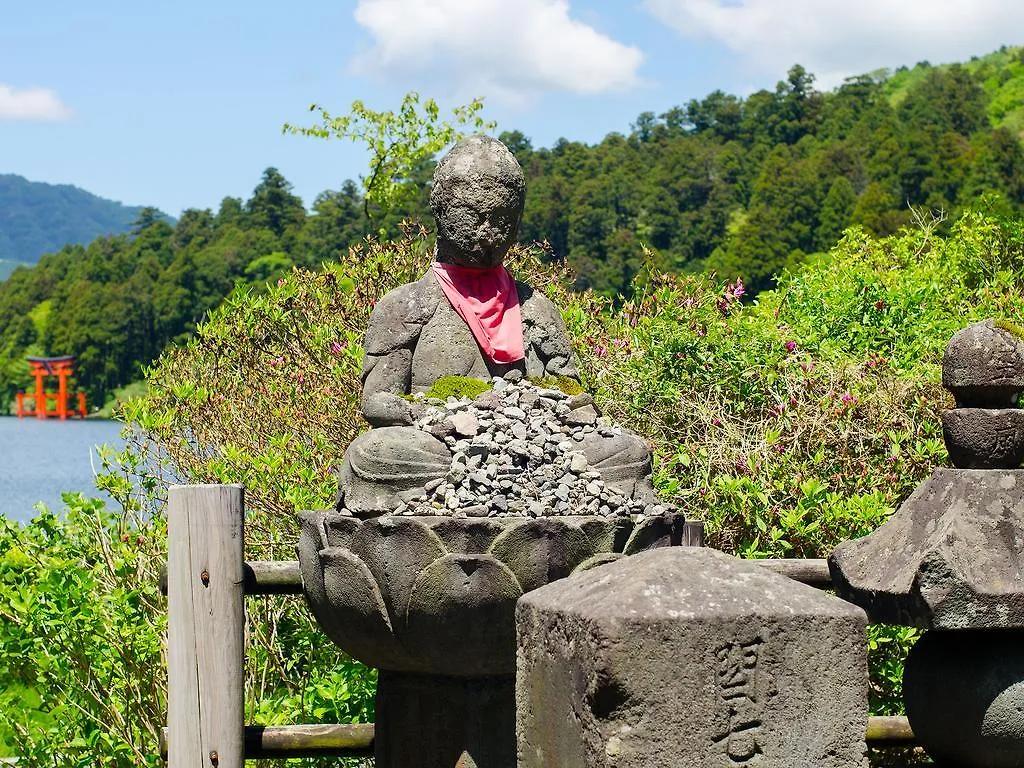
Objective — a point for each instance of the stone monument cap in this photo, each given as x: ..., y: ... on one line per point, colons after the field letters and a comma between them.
x: 688, y: 656
x: 683, y: 583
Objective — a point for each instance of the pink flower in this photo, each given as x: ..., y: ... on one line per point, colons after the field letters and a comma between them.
x: 790, y: 346
x: 337, y: 348
x: 733, y: 292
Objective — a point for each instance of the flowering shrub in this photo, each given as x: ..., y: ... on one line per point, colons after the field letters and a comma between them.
x: 805, y: 418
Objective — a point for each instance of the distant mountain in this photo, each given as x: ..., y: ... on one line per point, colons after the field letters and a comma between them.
x: 38, y: 218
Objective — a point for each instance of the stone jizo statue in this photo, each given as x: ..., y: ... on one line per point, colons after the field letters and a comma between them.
x: 465, y: 317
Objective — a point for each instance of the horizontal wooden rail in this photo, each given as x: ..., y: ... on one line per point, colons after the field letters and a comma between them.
x: 814, y: 573
x: 263, y: 577
x: 292, y: 741
x: 273, y: 577
x: 283, y: 742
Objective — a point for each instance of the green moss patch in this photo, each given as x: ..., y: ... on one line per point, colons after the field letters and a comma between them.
x: 1009, y: 327
x: 458, y: 387
x: 567, y: 384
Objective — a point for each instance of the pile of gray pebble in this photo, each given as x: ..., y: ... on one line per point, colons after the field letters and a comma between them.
x: 516, y: 452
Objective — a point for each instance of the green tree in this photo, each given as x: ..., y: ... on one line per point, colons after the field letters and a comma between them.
x: 273, y: 206
x: 948, y: 99
x: 398, y: 142
x: 836, y: 213
x: 146, y: 218
x: 878, y: 209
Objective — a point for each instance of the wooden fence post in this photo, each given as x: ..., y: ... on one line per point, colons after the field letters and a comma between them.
x: 206, y: 617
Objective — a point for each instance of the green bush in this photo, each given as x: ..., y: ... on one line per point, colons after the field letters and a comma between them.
x: 81, y: 638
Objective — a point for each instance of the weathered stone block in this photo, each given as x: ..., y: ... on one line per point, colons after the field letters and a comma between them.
x: 949, y: 558
x: 687, y: 656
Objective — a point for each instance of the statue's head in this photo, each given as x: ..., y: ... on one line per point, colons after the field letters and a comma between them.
x: 477, y: 200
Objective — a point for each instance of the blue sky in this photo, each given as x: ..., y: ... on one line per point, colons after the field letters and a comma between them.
x: 181, y: 104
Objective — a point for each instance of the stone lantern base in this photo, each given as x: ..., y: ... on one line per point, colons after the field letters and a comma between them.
x: 964, y: 691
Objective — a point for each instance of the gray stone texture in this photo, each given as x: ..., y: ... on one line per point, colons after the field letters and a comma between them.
x: 409, y: 734
x: 436, y: 595
x: 689, y: 657
x: 984, y: 438
x: 477, y: 200
x: 507, y: 450
x: 415, y: 337
x: 513, y: 452
x: 984, y: 367
x: 382, y: 463
x: 964, y: 692
x: 949, y: 558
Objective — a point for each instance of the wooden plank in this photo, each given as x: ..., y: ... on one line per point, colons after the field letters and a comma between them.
x: 811, y: 572
x: 693, y: 534
x: 206, y: 618
x: 182, y: 668
x: 290, y: 741
x: 282, y: 577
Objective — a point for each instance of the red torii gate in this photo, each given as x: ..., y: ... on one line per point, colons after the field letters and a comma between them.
x: 37, y: 402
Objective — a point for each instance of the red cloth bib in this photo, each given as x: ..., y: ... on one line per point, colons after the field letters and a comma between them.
x: 489, y: 303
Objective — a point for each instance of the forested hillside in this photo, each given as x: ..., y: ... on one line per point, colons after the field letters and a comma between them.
x: 37, y: 218
x: 750, y: 186
x: 118, y: 301
x: 745, y: 187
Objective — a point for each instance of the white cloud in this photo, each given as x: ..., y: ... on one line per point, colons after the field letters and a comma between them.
x: 837, y: 38
x: 37, y: 104
x: 502, y: 49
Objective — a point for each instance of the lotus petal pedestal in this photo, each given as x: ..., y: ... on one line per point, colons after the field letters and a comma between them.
x: 430, y: 602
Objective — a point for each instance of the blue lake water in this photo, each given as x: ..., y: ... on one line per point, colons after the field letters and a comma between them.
x: 40, y: 459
